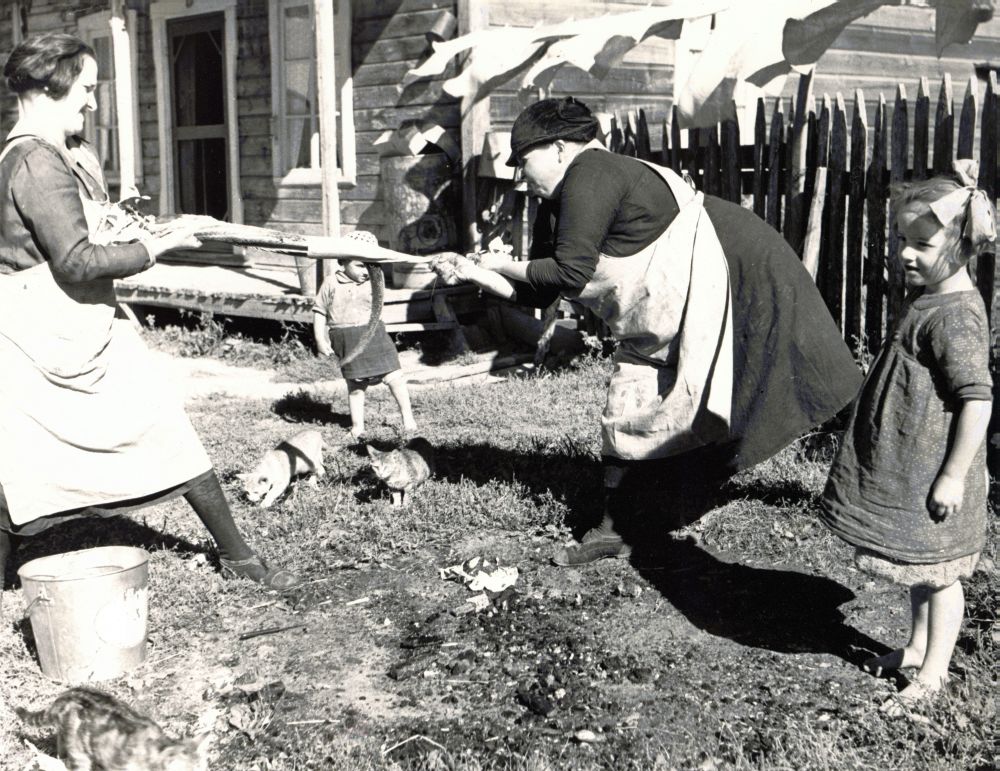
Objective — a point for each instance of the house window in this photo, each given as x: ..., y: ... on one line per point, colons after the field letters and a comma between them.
x: 101, y: 127
x: 296, y: 148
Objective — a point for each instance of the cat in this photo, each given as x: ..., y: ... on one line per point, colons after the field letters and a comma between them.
x: 97, y: 731
x: 404, y: 469
x: 296, y: 456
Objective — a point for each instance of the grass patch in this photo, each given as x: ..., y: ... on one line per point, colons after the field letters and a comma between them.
x: 738, y: 651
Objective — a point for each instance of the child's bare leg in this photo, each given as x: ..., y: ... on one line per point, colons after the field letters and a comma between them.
x: 944, y: 620
x: 397, y: 386
x: 947, y: 607
x: 356, y: 403
x: 913, y: 654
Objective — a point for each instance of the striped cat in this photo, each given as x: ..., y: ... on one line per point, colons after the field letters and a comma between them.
x: 404, y: 469
x: 97, y: 731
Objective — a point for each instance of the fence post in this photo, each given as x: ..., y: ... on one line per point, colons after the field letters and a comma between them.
x: 675, y: 141
x: 773, y: 210
x: 759, y: 143
x: 713, y: 163
x: 967, y: 120
x: 831, y: 268
x: 643, y: 147
x: 944, y: 128
x: 876, y: 202
x: 732, y: 184
x: 795, y: 194
x: 897, y: 173
x: 853, y: 322
x: 921, y: 120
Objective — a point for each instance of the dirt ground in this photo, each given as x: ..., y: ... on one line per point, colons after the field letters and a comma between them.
x: 690, y: 655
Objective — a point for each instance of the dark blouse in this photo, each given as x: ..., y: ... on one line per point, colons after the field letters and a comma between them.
x: 42, y: 219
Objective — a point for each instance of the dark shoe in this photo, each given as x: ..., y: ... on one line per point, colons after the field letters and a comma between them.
x: 593, y: 547
x: 254, y: 568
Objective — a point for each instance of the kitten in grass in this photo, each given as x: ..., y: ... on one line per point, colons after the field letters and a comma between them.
x: 97, y: 731
x: 404, y: 469
x: 296, y: 456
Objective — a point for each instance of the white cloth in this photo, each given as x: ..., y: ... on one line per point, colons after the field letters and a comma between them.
x: 86, y: 417
x: 669, y: 307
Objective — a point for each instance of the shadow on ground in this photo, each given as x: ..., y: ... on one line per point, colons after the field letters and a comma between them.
x: 785, y: 611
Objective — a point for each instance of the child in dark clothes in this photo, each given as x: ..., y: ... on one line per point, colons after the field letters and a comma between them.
x: 340, y: 315
x: 908, y: 486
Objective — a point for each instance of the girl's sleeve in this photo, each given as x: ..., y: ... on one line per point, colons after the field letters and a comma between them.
x: 959, y: 339
x: 589, y: 202
x: 47, y: 198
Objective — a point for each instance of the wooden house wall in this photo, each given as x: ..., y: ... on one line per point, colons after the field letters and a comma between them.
x: 645, y: 78
x: 388, y: 38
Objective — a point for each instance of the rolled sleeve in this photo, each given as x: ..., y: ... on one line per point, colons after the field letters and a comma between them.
x: 47, y: 198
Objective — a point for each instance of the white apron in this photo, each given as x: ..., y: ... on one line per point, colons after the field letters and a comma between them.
x: 669, y: 307
x: 86, y: 417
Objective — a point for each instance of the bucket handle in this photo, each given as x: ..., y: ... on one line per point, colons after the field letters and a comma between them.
x: 41, y: 597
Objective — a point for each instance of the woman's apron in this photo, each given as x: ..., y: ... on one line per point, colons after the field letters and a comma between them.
x: 86, y: 417
x: 669, y: 307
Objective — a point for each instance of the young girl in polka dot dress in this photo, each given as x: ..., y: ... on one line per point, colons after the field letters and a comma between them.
x: 908, y: 486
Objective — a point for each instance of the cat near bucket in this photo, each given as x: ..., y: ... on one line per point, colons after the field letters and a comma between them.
x: 89, y: 611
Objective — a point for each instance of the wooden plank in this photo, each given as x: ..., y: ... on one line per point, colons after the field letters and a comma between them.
x: 823, y: 133
x: 730, y: 160
x: 475, y: 121
x: 967, y: 121
x: 944, y: 128
x: 811, y: 243
x: 643, y: 145
x: 713, y: 162
x: 773, y: 209
x: 759, y: 185
x: 896, y: 289
x: 795, y: 197
x: 989, y: 136
x: 696, y: 157
x: 854, y: 247
x: 664, y: 159
x: 921, y: 128
x: 831, y: 269
x: 676, y: 143
x: 875, y: 198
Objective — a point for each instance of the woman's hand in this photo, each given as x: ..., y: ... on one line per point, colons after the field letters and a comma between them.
x: 169, y: 239
x: 465, y: 269
x: 946, y: 497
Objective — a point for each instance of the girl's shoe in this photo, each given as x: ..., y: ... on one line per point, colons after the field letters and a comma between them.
x: 255, y: 569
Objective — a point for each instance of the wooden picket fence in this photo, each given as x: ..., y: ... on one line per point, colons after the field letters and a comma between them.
x: 823, y: 180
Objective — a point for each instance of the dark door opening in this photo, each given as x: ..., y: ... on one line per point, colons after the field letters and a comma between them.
x: 197, y: 71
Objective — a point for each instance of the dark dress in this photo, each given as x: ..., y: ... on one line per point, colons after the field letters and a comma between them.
x: 791, y: 369
x: 900, y: 434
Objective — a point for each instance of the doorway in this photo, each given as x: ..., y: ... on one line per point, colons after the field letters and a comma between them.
x: 196, y: 46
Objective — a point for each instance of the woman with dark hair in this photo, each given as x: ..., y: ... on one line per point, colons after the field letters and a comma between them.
x: 86, y: 426
x: 726, y: 351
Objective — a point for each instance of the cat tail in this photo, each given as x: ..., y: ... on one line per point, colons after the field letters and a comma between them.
x: 40, y: 719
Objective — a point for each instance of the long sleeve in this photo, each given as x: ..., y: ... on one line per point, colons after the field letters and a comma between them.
x: 608, y: 204
x: 46, y: 195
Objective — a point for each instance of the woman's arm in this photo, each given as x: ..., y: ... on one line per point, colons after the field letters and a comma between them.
x: 948, y: 490
x: 48, y: 199
x: 491, y: 281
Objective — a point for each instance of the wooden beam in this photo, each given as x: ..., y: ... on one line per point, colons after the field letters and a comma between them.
x: 472, y: 15
x: 327, y: 101
x: 124, y: 107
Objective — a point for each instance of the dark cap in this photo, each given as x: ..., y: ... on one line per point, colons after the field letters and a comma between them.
x: 549, y: 120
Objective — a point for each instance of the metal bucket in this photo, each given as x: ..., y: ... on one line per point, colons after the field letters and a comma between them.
x: 89, y: 611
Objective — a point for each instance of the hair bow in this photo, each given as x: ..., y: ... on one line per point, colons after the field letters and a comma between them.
x: 972, y: 202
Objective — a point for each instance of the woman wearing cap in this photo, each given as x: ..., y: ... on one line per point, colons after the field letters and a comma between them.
x: 726, y: 350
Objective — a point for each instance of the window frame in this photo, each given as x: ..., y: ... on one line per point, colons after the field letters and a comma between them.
x: 89, y: 28
x: 312, y: 176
